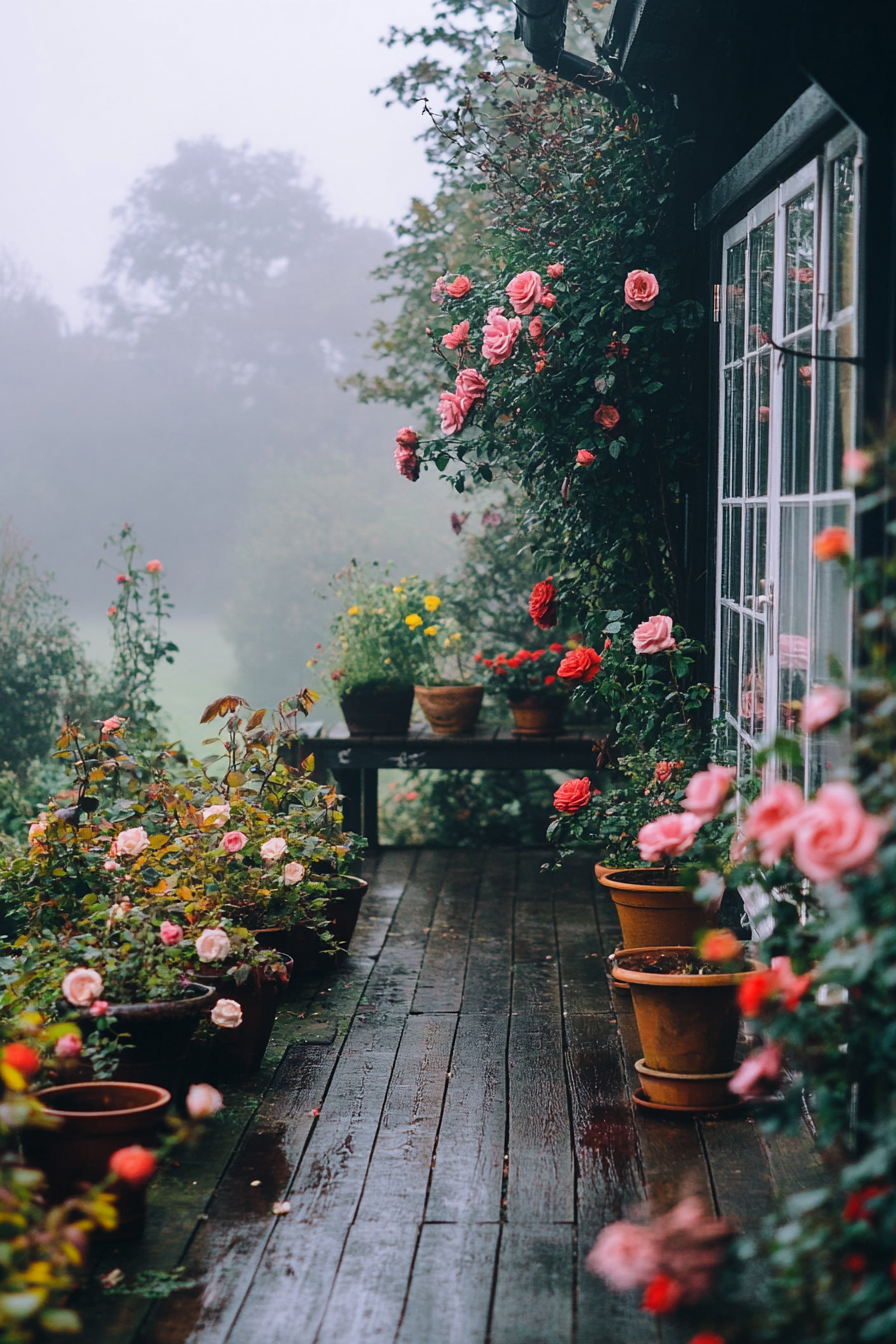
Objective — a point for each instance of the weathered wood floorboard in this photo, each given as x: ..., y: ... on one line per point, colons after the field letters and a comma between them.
x: 451, y: 1123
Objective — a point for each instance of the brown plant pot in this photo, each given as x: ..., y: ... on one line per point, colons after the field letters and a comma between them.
x: 687, y: 1091
x: 241, y: 1049
x: 450, y: 711
x: 378, y: 711
x: 95, y: 1120
x: 537, y: 718
x: 304, y: 945
x: 652, y: 914
x: 687, y: 1023
x: 158, y: 1036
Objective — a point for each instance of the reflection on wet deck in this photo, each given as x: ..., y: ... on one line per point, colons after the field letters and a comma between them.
x: 449, y: 1116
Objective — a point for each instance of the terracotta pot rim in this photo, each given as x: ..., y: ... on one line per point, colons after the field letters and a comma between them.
x: 607, y: 881
x: 682, y: 1077
x: 161, y: 1097
x: 192, y: 1003
x: 453, y: 686
x: 628, y: 977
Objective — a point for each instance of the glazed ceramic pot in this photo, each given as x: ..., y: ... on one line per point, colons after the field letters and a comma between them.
x: 305, y: 946
x: 537, y: 718
x: 450, y: 711
x: 94, y: 1120
x: 157, y: 1034
x: 378, y: 711
x: 651, y: 912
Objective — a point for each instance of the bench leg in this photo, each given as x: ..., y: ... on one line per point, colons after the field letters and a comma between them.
x: 360, y: 805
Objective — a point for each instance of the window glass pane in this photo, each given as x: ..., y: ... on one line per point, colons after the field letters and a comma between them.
x: 762, y: 279
x: 734, y: 416
x: 758, y: 416
x: 734, y: 303
x: 836, y: 392
x: 754, y: 552
x: 843, y: 235
x: 799, y: 286
x: 731, y: 524
x: 730, y: 661
x: 796, y: 424
x: 831, y: 625
x: 793, y: 615
x: 752, y: 695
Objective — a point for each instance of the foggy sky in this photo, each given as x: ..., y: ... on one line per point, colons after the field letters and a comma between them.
x: 93, y: 92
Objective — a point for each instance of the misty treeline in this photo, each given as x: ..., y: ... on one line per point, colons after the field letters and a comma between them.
x: 202, y: 403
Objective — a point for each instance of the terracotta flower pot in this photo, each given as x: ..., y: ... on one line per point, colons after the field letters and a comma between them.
x: 241, y: 1049
x: 378, y: 711
x: 95, y: 1120
x: 689, y: 1092
x: 158, y: 1036
x: 652, y: 914
x: 450, y: 711
x: 537, y: 718
x: 687, y: 1023
x: 304, y: 945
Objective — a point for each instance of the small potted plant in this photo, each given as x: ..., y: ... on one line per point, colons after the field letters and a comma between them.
x: 449, y: 700
x: 529, y: 681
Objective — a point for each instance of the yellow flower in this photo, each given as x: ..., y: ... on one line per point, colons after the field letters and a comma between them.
x: 432, y: 603
x: 431, y: 630
x: 457, y: 635
x: 311, y: 662
x: 413, y: 620
x: 397, y: 589
x: 353, y: 611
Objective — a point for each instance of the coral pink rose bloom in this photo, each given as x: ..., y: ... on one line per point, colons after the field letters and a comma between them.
x: 524, y: 291
x: 771, y: 820
x: 821, y: 705
x: 499, y: 336
x: 654, y: 636
x: 626, y: 1255
x: 217, y: 814
x: 135, y: 1165
x: 470, y: 388
x: 835, y: 835
x: 451, y: 413
x: 233, y: 841
x: 641, y: 290
x: 759, y: 1075
x: 832, y: 543
x: 607, y: 417
x: 584, y: 458
x: 212, y: 945
x: 110, y: 726
x: 536, y: 330
x: 203, y: 1100
x: 132, y: 842
x: 407, y: 438
x: 154, y: 566
x: 459, y: 288
x: 293, y: 873
x: 458, y: 335
x: 227, y: 1013
x: 555, y: 270
x: 668, y: 836
x: 708, y: 790
x: 81, y: 986
x: 68, y: 1046
x: 856, y: 465
x: 170, y: 934
x: 273, y: 849
x: 573, y: 795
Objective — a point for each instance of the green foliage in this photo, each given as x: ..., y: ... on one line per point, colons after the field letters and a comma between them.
x: 468, y: 809
x: 142, y: 605
x: 377, y: 633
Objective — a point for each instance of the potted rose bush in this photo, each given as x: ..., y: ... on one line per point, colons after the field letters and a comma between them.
x: 529, y: 682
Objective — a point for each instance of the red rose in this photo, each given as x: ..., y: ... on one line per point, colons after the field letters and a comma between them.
x: 573, y: 795
x: 856, y: 1210
x: 136, y: 1164
x: 580, y: 664
x: 855, y: 1263
x: 543, y: 604
x: 23, y: 1058
x: 707, y: 1337
x: 607, y: 417
x: 661, y: 1295
x: 584, y: 458
x: 549, y: 681
x: 556, y: 648
x: 407, y: 463
x: 459, y: 287
x: 755, y: 991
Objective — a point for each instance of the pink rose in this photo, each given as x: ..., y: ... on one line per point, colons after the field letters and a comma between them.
x: 203, y: 1101
x: 668, y: 836
x: 641, y: 290
x: 625, y: 1254
x: 407, y: 463
x: 81, y: 986
x: 821, y: 705
x: 856, y: 465
x: 451, y: 413
x: 154, y: 566
x: 835, y: 835
x: 437, y: 293
x: 459, y: 287
x: 458, y: 335
x: 233, y: 841
x: 37, y: 828
x: 227, y: 1013
x: 273, y: 849
x: 771, y: 820
x: 547, y: 299
x: 110, y: 726
x: 707, y: 791
x: 169, y: 933
x: 759, y: 1075
x: 293, y: 873
x: 68, y: 1046
x: 98, y: 1008
x: 524, y: 291
x: 555, y: 270
x: 536, y: 330
x: 499, y: 336
x: 217, y: 814
x: 212, y: 945
x: 111, y: 866
x: 470, y: 387
x: 131, y: 842
x: 407, y: 437
x: 654, y: 636
x: 584, y: 458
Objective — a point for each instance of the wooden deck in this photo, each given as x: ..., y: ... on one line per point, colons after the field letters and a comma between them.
x: 449, y: 1116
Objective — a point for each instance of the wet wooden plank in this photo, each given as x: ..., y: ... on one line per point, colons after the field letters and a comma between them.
x: 793, y: 1161
x: 534, y: 1288
x: 293, y: 1308
x: 227, y: 1247
x: 582, y: 965
x: 393, y: 982
x: 490, y: 956
x: 533, y: 929
x: 740, y: 1172
x: 389, y: 878
x: 469, y: 1163
x: 401, y: 1163
x: 450, y: 1293
x: 369, y: 1293
x: 440, y: 985
x: 540, y: 1179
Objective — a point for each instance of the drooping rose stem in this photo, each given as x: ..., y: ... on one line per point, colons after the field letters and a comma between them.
x: 678, y: 695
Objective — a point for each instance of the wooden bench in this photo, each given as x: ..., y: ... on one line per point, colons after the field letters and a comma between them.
x: 356, y: 761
